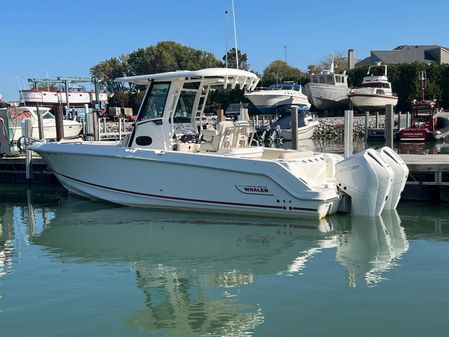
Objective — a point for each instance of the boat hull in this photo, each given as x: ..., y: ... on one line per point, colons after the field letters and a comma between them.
x: 268, y: 103
x: 327, y: 97
x: 168, y: 179
x: 48, y: 97
x: 367, y: 102
x: 415, y: 134
x: 72, y: 129
x: 304, y: 132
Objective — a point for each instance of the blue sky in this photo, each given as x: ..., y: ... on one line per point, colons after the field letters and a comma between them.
x: 67, y: 38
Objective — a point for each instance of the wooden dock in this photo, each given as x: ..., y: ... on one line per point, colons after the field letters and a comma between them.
x: 428, y: 179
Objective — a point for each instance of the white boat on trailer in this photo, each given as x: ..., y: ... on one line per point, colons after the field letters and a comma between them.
x: 171, y: 161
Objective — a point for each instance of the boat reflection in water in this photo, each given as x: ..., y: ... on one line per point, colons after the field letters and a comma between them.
x: 371, y: 248
x: 191, y: 267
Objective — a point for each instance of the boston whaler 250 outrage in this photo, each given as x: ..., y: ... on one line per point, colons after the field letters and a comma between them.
x: 171, y: 160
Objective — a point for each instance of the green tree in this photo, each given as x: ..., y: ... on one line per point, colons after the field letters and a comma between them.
x: 243, y: 59
x: 106, y: 71
x: 278, y: 71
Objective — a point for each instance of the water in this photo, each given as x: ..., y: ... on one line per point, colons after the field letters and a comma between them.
x: 72, y: 267
x: 337, y: 146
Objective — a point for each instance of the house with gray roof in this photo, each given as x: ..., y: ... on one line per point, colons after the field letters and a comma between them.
x: 407, y: 54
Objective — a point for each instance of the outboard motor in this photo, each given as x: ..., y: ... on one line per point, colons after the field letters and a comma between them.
x: 367, y: 179
x: 400, y: 170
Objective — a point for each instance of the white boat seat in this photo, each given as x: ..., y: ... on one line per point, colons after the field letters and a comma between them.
x: 295, y: 154
x: 213, y: 140
x: 272, y: 153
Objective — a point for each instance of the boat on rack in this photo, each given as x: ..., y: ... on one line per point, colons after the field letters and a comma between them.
x: 16, y: 116
x: 375, y: 91
x: 278, y: 96
x: 171, y: 161
x: 76, y: 96
x: 328, y: 91
x: 425, y: 123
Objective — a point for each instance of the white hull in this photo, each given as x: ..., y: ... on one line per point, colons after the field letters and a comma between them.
x: 304, y: 132
x: 56, y: 97
x: 372, y: 102
x: 269, y: 100
x: 184, y: 181
x: 71, y: 130
x: 325, y: 96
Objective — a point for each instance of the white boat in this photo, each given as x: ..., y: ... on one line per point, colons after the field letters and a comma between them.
x: 167, y: 163
x: 327, y: 91
x: 277, y: 96
x: 307, y: 125
x: 375, y: 91
x: 76, y: 97
x: 17, y: 115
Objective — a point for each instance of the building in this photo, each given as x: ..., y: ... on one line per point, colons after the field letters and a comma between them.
x: 407, y: 54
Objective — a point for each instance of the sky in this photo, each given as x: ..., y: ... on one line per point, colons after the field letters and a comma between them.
x: 50, y: 38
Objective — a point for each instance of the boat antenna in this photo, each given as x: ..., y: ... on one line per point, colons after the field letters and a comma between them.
x: 422, y: 78
x: 332, y: 67
x: 21, y: 97
x: 285, y: 50
x: 226, y: 37
x: 235, y: 38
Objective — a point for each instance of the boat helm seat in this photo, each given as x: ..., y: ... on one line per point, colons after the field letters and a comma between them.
x: 213, y: 140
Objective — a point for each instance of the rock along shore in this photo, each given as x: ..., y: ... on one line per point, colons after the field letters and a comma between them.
x: 333, y: 127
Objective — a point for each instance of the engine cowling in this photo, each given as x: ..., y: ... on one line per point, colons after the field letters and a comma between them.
x: 367, y: 179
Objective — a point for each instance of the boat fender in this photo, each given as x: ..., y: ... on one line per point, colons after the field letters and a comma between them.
x: 21, y: 144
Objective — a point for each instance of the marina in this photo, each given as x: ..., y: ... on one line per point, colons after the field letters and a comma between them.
x: 157, y: 181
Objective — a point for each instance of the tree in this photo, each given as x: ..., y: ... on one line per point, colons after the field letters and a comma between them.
x: 278, y: 71
x: 340, y: 64
x: 243, y: 59
x: 108, y: 70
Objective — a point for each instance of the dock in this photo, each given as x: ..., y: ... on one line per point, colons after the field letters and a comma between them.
x: 428, y: 178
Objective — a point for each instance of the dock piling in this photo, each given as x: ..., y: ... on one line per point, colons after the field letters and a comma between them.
x: 294, y: 127
x: 59, y: 123
x: 40, y: 123
x: 389, y: 124
x: 27, y: 134
x: 348, y: 135
x: 366, y: 125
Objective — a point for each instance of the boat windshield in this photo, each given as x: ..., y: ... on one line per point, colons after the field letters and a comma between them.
x: 285, y: 86
x: 154, y: 104
x: 375, y: 85
x: 48, y: 115
x: 323, y: 78
x: 184, y: 108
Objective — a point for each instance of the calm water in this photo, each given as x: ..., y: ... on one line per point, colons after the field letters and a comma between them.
x: 71, y: 267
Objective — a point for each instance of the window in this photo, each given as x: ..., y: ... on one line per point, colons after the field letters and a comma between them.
x: 154, y: 102
x: 184, y: 108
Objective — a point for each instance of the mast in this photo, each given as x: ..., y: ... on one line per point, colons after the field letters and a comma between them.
x: 235, y: 38
x: 226, y: 38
